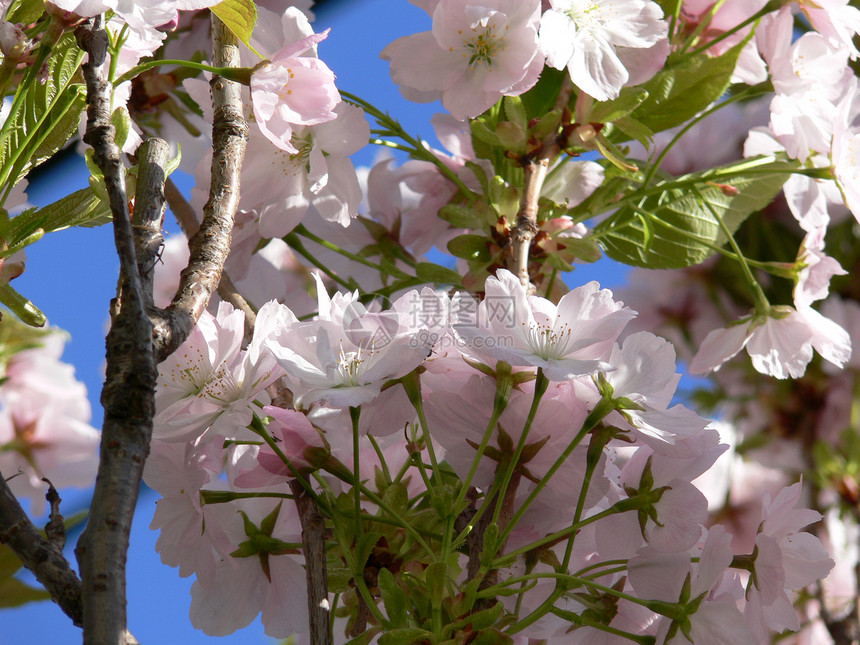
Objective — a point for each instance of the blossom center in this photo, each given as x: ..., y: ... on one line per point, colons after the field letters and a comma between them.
x: 351, y: 365
x: 285, y: 91
x: 547, y: 342
x: 483, y: 43
x: 588, y: 16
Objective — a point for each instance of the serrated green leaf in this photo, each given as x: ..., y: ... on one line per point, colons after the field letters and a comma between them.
x: 481, y: 132
x: 48, y: 111
x: 681, y: 229
x: 460, y: 216
x: 435, y: 274
x: 628, y: 100
x: 25, y: 11
x: 393, y: 598
x: 470, y: 247
x: 81, y: 208
x: 512, y: 136
x: 685, y: 87
x: 515, y: 111
x: 240, y: 17
x: 26, y: 311
x: 540, y: 99
x: 121, y: 121
x: 633, y: 129
x: 436, y: 577
x: 405, y: 636
x: 584, y: 250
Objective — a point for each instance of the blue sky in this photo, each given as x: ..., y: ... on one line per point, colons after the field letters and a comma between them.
x: 71, y: 276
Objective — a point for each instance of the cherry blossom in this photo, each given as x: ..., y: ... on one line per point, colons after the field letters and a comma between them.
x: 571, y: 339
x: 293, y: 90
x: 474, y: 55
x: 588, y: 36
x: 210, y: 382
x: 346, y: 355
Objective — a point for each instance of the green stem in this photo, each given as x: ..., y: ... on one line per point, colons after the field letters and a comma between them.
x: 541, y: 384
x: 295, y: 244
x: 768, y: 8
x: 258, y: 428
x: 762, y: 304
x: 301, y: 230
x: 703, y: 24
x: 745, y: 94
x: 354, y: 413
x: 238, y: 74
x: 418, y: 148
x: 603, y: 407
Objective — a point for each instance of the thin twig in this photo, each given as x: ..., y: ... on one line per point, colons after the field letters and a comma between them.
x: 211, y: 244
x: 42, y: 557
x: 535, y: 169
x: 128, y: 395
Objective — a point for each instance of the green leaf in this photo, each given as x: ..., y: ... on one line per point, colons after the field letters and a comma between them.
x: 685, y: 87
x: 461, y: 216
x: 81, y: 208
x: 628, y: 100
x: 470, y: 247
x: 676, y: 228
x: 435, y: 274
x: 14, y: 593
x: 436, y: 577
x: 405, y: 636
x: 393, y: 598
x: 239, y: 16
x: 25, y: 11
x: 364, y: 547
x: 481, y: 132
x: 633, y: 129
x: 19, y: 305
x: 515, y: 111
x: 48, y: 113
x: 540, y: 99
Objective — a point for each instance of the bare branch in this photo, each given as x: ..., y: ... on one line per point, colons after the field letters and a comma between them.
x: 128, y: 395
x: 211, y: 244
x: 42, y: 557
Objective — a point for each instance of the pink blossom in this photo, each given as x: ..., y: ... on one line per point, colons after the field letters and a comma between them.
x: 571, y: 339
x: 210, y: 382
x: 474, y: 55
x: 587, y: 37
x: 779, y: 344
x: 293, y: 90
x: 242, y: 588
x: 834, y: 19
x: 346, y: 355
x: 785, y: 559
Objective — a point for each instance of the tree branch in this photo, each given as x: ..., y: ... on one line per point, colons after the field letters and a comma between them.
x: 313, y: 547
x: 211, y: 243
x: 149, y: 204
x: 187, y: 220
x: 128, y: 395
x: 42, y: 557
